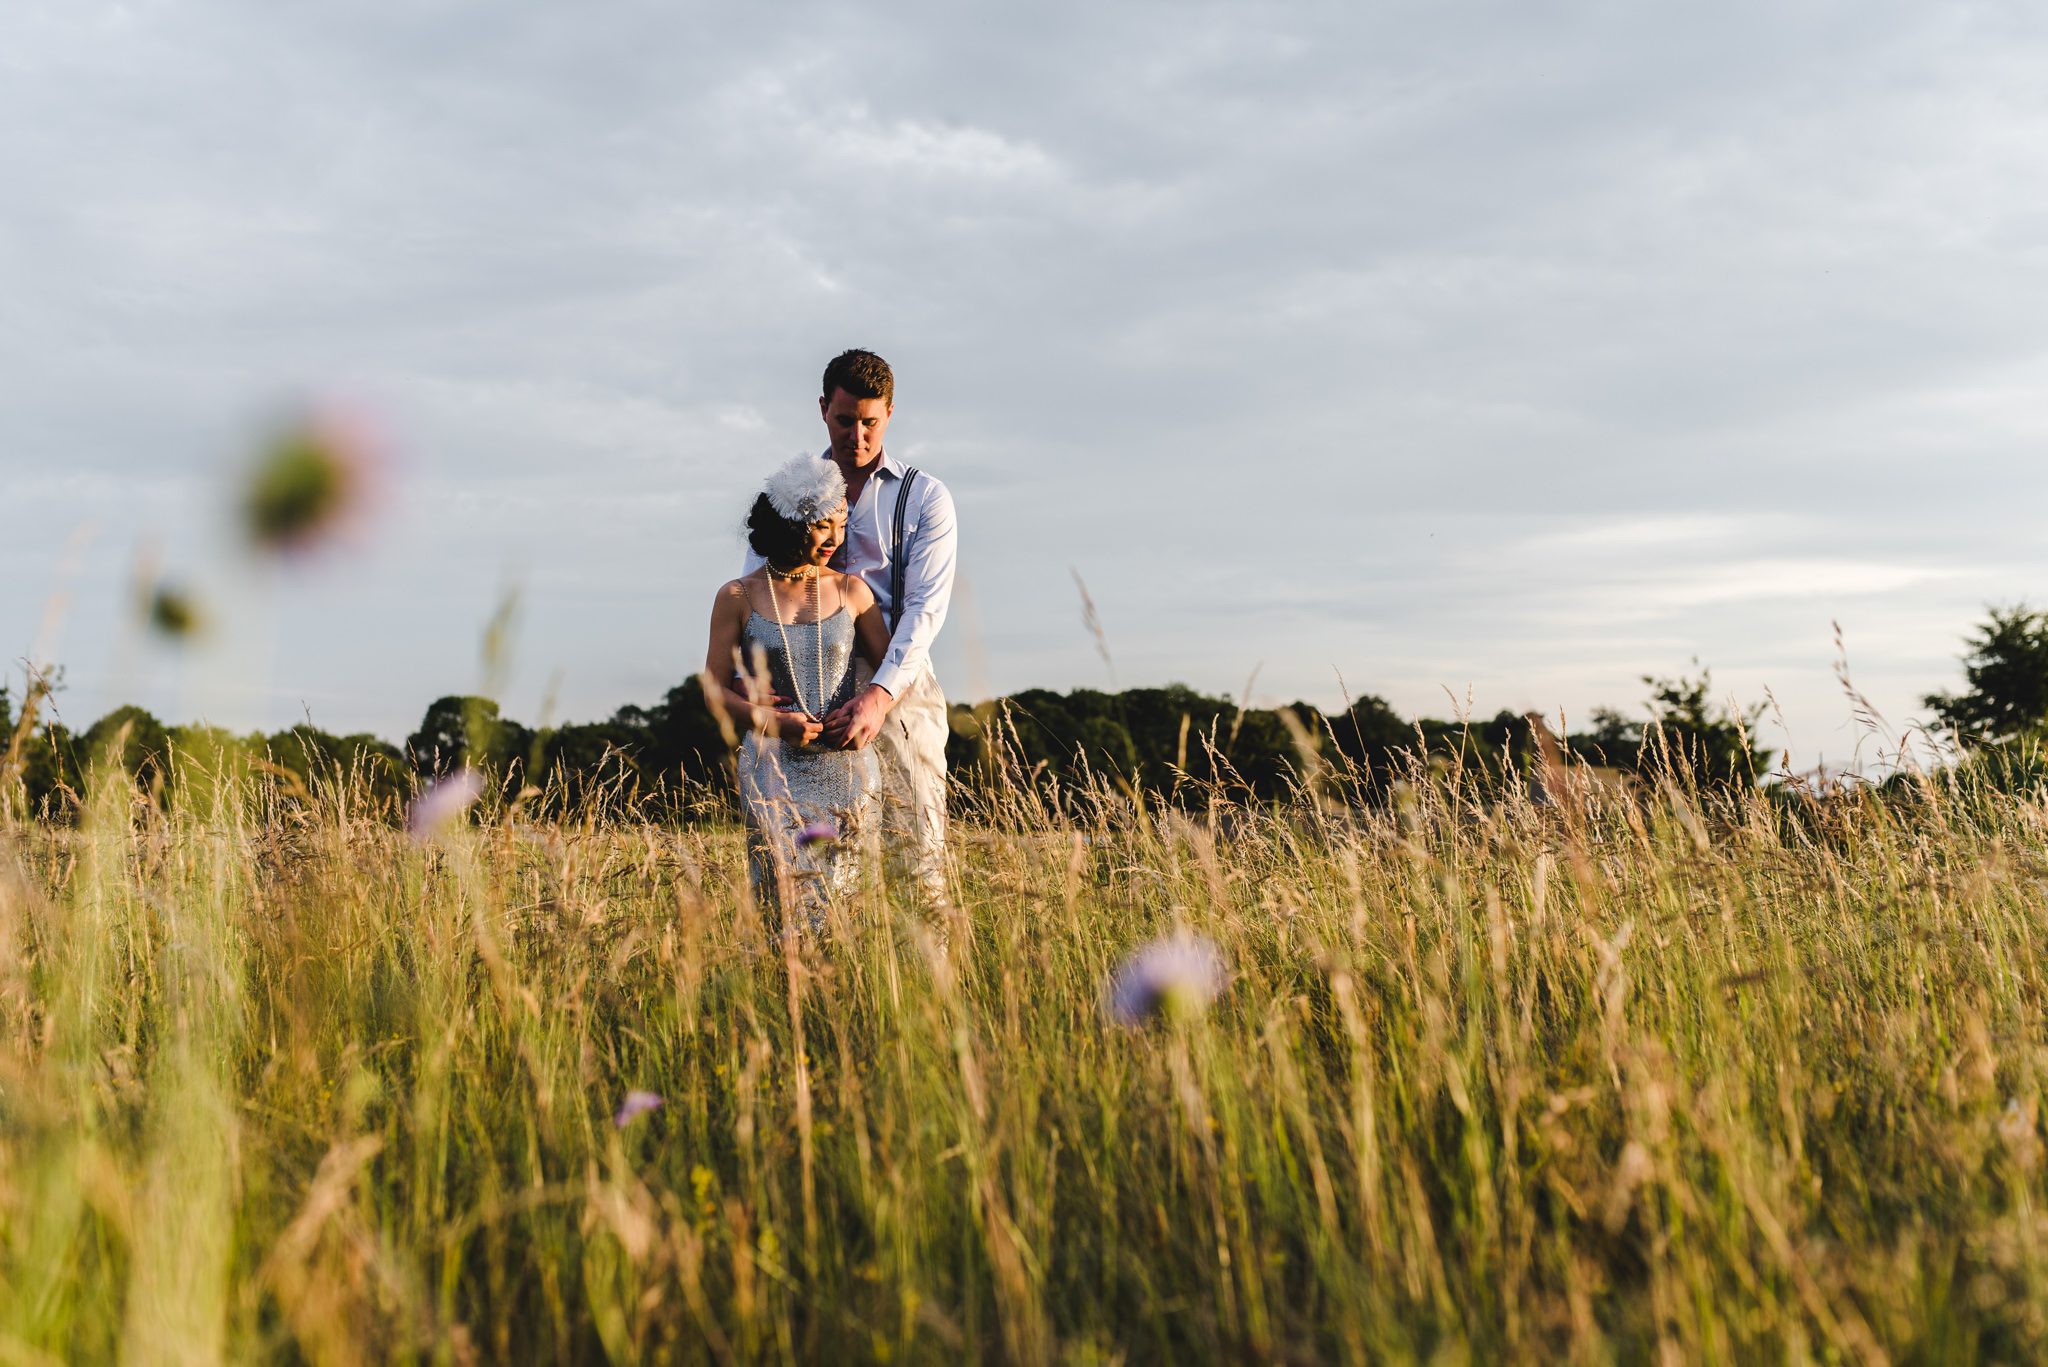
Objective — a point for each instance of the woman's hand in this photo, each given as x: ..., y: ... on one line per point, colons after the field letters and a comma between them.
x: 801, y: 727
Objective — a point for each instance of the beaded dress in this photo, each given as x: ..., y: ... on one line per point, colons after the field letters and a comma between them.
x: 796, y: 793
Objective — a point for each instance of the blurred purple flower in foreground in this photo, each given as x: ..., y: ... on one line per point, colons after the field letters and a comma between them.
x: 818, y: 832
x: 1178, y: 976
x: 636, y: 1104
x: 309, y: 483
x: 442, y: 801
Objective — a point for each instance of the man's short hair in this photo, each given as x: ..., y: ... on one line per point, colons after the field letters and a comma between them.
x: 863, y: 375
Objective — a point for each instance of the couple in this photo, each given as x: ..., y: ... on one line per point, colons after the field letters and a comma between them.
x: 851, y: 566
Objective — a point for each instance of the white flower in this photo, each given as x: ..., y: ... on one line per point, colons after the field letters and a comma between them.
x: 1177, y: 976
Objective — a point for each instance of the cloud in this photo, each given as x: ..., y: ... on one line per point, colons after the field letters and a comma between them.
x: 926, y: 149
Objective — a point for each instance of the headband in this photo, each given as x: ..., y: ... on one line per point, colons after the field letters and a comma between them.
x: 808, y: 489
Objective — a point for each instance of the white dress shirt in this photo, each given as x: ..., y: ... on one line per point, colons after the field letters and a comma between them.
x: 930, y: 556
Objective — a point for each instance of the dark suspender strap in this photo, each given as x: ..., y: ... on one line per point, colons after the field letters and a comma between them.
x: 896, y: 549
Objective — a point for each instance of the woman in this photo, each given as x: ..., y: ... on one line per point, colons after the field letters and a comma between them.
x: 783, y: 642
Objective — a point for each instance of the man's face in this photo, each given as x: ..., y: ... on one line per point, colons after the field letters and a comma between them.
x: 856, y: 427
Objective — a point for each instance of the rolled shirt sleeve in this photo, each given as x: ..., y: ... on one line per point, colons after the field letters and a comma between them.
x: 931, y: 546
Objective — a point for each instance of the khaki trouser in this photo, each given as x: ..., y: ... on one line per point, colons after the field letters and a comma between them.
x: 912, y: 749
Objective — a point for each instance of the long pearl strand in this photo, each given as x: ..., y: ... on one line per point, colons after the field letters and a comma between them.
x: 817, y: 624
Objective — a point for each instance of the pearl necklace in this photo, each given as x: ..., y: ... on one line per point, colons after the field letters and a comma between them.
x: 808, y: 572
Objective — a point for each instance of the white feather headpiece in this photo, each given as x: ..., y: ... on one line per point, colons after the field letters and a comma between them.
x: 808, y: 489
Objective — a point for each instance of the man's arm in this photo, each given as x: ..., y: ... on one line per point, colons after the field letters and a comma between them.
x: 929, y: 561
x: 931, y: 556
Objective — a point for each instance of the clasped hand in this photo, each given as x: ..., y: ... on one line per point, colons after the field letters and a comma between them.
x: 849, y: 726
x: 855, y: 722
x: 785, y: 721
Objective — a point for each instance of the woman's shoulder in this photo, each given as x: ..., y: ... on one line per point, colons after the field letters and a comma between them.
x: 733, y: 592
x: 853, y: 589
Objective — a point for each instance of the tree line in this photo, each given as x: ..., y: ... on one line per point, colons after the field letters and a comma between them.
x: 673, y: 758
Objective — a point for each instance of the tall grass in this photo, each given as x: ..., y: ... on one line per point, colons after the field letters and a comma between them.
x: 1617, y: 1074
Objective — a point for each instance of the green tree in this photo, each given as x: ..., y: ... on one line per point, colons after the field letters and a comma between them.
x: 688, y: 742
x: 460, y: 730
x: 1691, y: 731
x: 132, y: 738
x: 1614, y: 742
x: 363, y: 764
x: 2006, y: 673
x: 669, y: 754
x: 211, y: 765
x: 577, y: 762
x: 41, y: 770
x: 1369, y: 734
x: 1146, y: 737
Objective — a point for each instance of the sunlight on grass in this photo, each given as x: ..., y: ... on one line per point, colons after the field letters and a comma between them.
x: 1613, y: 1073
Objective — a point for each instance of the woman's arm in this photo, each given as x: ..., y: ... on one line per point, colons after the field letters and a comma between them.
x: 870, y: 632
x: 722, y: 661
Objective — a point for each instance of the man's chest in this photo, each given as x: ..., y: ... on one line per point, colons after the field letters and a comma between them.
x: 866, y: 548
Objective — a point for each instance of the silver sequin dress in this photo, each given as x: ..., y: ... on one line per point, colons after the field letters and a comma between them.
x: 795, y: 793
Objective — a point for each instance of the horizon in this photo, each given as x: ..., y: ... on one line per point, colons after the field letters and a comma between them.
x: 1564, y: 727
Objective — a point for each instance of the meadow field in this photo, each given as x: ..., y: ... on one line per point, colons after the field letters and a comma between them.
x: 1624, y: 1074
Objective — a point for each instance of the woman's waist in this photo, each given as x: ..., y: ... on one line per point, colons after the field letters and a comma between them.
x: 814, y: 752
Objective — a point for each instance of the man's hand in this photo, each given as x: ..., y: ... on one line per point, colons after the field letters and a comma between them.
x: 854, y: 723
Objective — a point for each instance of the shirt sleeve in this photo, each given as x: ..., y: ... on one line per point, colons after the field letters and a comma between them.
x: 930, y: 556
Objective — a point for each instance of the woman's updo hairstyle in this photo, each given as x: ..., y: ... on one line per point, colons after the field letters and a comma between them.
x: 774, y: 537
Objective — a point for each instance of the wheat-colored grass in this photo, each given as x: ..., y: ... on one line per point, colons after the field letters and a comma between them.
x: 1617, y: 1076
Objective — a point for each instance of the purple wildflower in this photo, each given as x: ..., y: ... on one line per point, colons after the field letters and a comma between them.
x: 817, y: 833
x: 1176, y: 976
x: 442, y: 801
x: 636, y: 1104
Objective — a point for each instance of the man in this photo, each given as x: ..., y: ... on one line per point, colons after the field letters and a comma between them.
x: 901, y: 539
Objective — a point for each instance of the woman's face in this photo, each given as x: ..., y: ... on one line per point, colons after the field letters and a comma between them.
x: 822, y: 539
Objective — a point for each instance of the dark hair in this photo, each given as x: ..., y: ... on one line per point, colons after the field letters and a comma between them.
x: 774, y: 537
x: 861, y: 374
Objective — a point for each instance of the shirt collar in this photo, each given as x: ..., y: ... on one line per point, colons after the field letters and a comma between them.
x: 888, y: 465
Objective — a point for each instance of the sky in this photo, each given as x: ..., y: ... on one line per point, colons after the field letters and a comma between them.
x: 1477, y: 356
